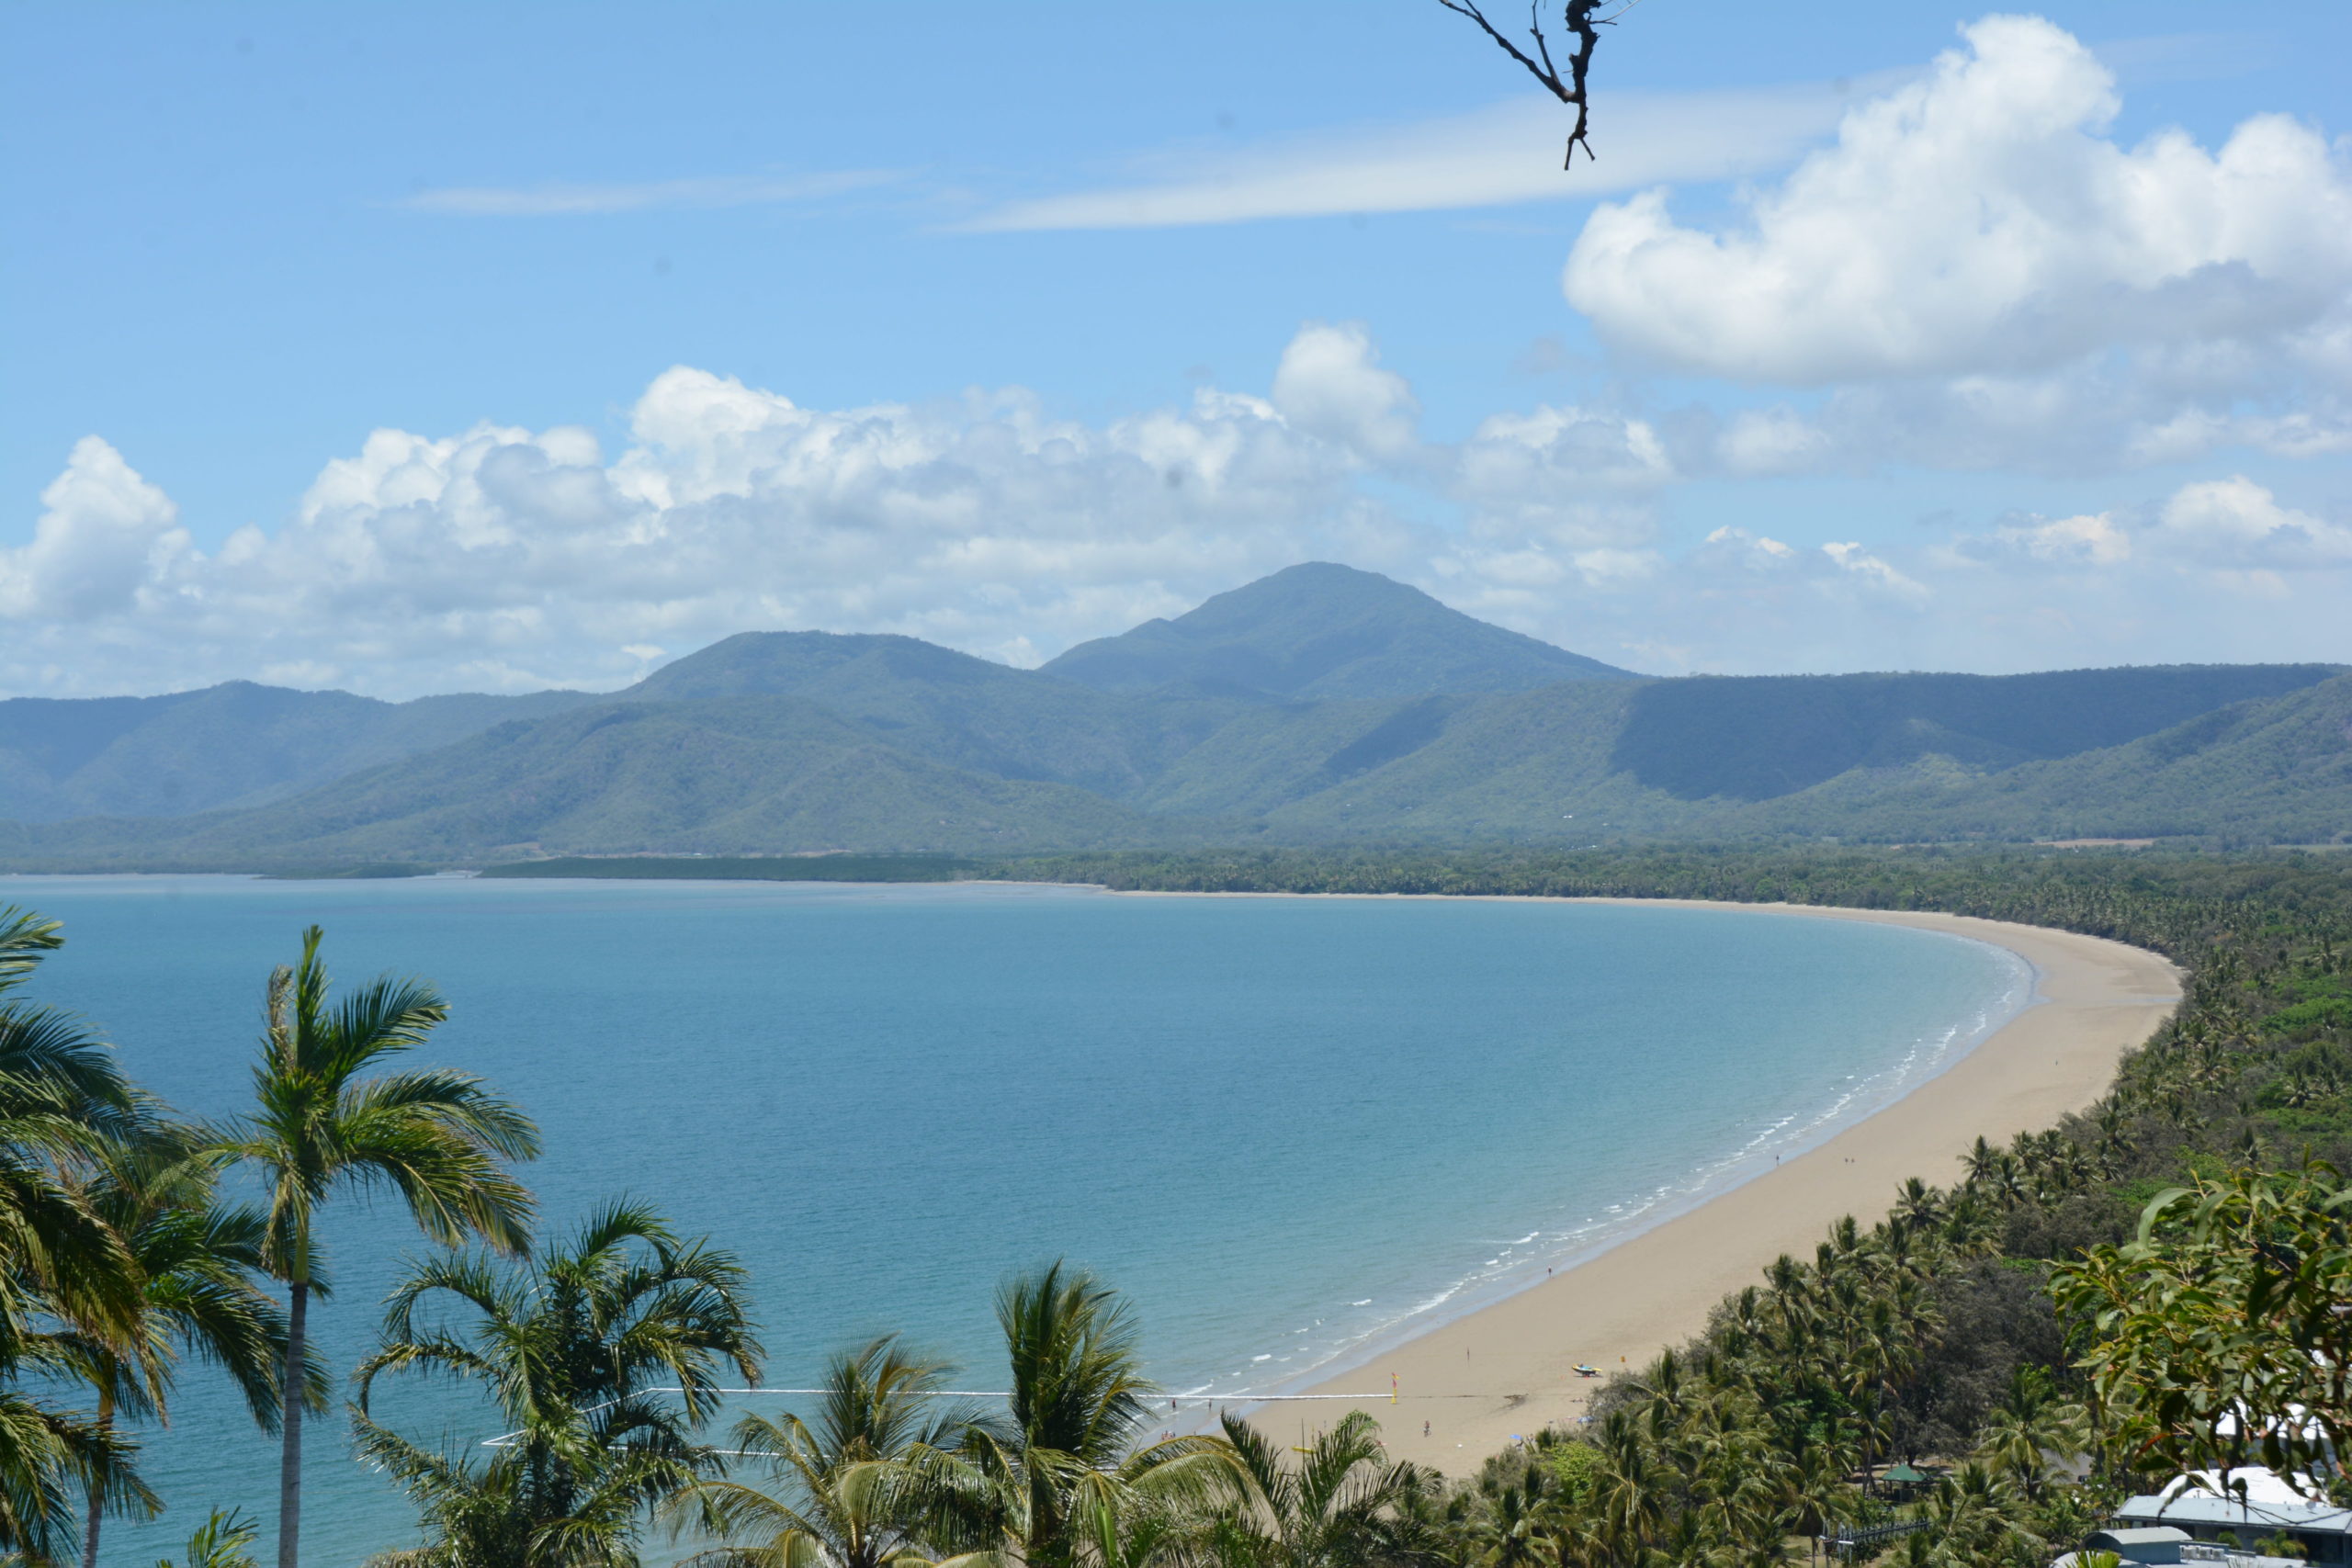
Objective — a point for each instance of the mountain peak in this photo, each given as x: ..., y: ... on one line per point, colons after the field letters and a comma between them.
x: 790, y: 663
x: 1323, y: 630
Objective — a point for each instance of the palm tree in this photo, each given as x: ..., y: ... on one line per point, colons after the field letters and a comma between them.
x: 67, y: 1277
x: 436, y: 1137
x: 2033, y: 1433
x: 1512, y: 1529
x: 1337, y: 1508
x: 197, y: 1260
x: 1033, y: 1486
x: 849, y: 1499
x: 578, y: 1347
x: 223, y: 1540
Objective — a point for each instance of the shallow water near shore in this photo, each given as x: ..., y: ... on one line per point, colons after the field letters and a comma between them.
x: 1293, y: 1130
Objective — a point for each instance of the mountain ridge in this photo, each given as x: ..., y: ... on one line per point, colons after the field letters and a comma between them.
x: 796, y: 742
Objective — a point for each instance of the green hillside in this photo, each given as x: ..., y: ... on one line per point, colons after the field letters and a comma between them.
x: 1321, y: 631
x: 1754, y: 738
x: 724, y: 776
x: 232, y: 745
x: 2270, y: 771
x: 781, y: 744
x: 954, y: 708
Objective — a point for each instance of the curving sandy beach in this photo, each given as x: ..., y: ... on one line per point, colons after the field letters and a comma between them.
x: 1508, y: 1368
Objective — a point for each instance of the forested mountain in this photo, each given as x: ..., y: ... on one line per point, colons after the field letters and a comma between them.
x: 1318, y: 631
x: 785, y: 742
x: 723, y: 776
x: 235, y: 744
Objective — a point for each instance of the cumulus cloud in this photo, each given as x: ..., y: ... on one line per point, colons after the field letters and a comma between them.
x: 502, y: 558
x: 1329, y: 383
x: 2236, y: 523
x: 1979, y: 220
x: 2210, y: 530
x: 105, y: 540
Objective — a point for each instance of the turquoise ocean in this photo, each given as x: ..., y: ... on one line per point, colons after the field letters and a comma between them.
x: 1295, y: 1131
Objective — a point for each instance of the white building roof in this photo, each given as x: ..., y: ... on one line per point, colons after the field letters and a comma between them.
x: 2253, y: 1497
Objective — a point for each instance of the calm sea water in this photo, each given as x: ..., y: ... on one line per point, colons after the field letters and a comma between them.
x: 1294, y: 1130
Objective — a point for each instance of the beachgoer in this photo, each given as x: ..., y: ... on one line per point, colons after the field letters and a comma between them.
x: 1425, y: 1429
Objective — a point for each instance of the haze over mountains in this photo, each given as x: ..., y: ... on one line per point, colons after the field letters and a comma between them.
x: 1320, y: 703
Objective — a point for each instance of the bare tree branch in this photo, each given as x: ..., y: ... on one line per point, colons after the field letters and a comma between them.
x: 1583, y: 25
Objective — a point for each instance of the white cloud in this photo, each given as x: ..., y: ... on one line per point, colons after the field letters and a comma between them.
x: 2212, y: 531
x: 2089, y: 539
x: 104, y: 538
x: 1497, y: 156
x: 572, y: 201
x: 507, y: 559
x: 1979, y: 220
x: 1329, y: 383
x: 2236, y: 523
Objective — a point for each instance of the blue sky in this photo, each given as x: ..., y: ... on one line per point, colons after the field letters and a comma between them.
x: 247, y: 238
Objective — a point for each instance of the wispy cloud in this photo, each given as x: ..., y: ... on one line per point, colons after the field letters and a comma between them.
x: 1495, y: 156
x: 567, y: 201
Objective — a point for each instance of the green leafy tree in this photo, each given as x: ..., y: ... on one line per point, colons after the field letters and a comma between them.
x: 1338, y: 1506
x: 2218, y: 1334
x: 1038, y: 1486
x: 198, y: 1262
x: 67, y: 1279
x: 2034, y: 1433
x: 223, y: 1541
x: 840, y: 1494
x: 576, y: 1346
x: 434, y: 1137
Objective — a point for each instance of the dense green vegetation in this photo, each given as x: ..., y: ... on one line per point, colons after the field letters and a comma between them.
x: 232, y: 745
x: 2020, y: 1333
x: 1320, y: 706
x: 756, y: 868
x: 1319, y: 632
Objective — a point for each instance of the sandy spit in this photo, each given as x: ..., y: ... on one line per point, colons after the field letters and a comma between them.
x: 1508, y: 1368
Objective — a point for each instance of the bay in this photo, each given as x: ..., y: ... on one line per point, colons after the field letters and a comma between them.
x: 1291, y: 1130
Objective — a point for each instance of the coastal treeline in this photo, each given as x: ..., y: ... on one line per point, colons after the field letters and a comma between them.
x: 1977, y: 1376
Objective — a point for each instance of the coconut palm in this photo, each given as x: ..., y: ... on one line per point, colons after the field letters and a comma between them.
x: 67, y: 1280
x: 1336, y: 1507
x: 2033, y: 1433
x: 847, y: 1499
x: 434, y: 1137
x: 1513, y: 1529
x: 223, y: 1540
x: 580, y: 1347
x: 1032, y: 1486
x: 197, y: 1261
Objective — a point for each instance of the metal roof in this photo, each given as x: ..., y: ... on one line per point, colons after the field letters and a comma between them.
x: 2204, y: 1509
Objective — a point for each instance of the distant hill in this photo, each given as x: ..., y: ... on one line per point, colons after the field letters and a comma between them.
x: 723, y: 776
x: 952, y: 708
x: 2268, y: 771
x: 2076, y: 753
x: 1754, y: 738
x: 1321, y: 631
x: 226, y: 746
x: 787, y: 742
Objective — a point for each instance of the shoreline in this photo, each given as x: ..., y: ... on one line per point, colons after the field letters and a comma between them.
x: 1506, y: 1367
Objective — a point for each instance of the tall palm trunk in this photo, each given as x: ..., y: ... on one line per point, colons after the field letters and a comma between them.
x: 289, y: 1461
x: 90, y: 1530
